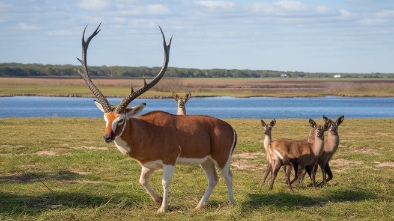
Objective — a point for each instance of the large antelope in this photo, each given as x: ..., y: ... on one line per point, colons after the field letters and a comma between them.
x: 159, y: 140
x: 267, y: 143
x: 304, y: 153
x: 181, y: 101
x: 330, y: 147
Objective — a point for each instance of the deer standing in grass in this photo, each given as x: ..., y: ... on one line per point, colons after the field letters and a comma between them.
x: 267, y: 143
x: 302, y: 153
x: 181, y: 101
x: 159, y: 140
x: 330, y: 147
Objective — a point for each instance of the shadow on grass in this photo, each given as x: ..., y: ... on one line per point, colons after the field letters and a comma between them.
x: 34, y: 177
x: 287, y: 200
x: 14, y: 205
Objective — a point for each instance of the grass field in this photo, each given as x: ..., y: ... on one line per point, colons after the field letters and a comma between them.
x: 61, y: 169
x: 236, y: 87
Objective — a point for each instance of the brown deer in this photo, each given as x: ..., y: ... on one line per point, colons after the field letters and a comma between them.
x: 304, y: 153
x: 159, y: 140
x: 181, y: 101
x: 330, y: 147
x: 267, y: 143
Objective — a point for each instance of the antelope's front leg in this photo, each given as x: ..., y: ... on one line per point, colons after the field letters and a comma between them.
x: 168, y: 171
x: 144, y: 181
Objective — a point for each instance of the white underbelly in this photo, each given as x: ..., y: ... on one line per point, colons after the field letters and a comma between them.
x: 158, y: 164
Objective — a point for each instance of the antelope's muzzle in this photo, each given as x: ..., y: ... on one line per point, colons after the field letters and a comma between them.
x: 108, y: 138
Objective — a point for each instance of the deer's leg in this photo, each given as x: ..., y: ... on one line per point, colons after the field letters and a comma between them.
x: 288, y: 174
x: 297, y: 172
x: 302, y: 175
x: 324, y: 182
x: 275, y: 168
x: 144, y: 181
x: 168, y: 171
x: 212, y: 176
x: 267, y: 172
x: 327, y: 169
x: 313, y: 176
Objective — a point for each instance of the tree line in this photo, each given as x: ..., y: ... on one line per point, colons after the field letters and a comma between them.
x: 41, y: 70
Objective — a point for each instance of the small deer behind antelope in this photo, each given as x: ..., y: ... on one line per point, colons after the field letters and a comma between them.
x: 302, y: 153
x: 267, y: 143
x: 159, y: 140
x: 181, y: 101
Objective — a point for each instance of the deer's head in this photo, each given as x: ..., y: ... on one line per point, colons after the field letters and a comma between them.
x: 268, y: 127
x: 317, y: 131
x: 181, y: 100
x: 117, y: 116
x: 333, y: 128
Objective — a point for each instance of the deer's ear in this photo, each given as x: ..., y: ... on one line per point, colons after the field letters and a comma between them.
x: 99, y: 106
x: 312, y: 123
x: 340, y: 120
x: 188, y: 96
x: 135, y: 110
x: 273, y: 122
x: 263, y: 123
x: 175, y: 96
x: 325, y: 118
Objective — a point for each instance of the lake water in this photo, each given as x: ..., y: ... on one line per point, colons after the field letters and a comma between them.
x: 220, y: 107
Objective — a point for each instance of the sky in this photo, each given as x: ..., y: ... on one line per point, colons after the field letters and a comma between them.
x: 343, y: 36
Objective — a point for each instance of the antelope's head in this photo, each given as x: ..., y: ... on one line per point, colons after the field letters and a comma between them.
x: 116, y: 116
x: 181, y: 100
x: 268, y: 127
x: 333, y: 128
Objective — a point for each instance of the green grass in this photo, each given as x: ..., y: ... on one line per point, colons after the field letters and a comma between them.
x: 87, y: 179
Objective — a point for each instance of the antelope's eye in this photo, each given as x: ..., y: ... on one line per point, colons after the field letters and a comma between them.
x: 120, y: 121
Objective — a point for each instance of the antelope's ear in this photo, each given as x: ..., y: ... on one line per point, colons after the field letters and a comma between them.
x: 263, y: 123
x: 340, y: 120
x: 273, y: 122
x: 99, y: 106
x: 325, y: 118
x: 135, y: 110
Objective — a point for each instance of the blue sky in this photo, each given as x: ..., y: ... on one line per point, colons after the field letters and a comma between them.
x: 301, y: 35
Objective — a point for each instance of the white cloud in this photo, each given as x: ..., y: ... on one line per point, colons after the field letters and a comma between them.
x: 93, y: 4
x: 152, y: 9
x: 291, y: 5
x: 157, y: 9
x: 216, y: 4
x: 61, y: 32
x: 322, y: 9
x: 345, y: 14
x: 385, y: 14
x: 372, y: 21
x: 24, y: 26
x: 285, y: 8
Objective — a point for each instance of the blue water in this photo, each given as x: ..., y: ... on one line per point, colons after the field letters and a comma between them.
x: 220, y: 107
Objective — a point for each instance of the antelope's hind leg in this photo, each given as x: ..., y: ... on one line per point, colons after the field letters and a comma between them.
x: 210, y: 171
x: 228, y: 177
